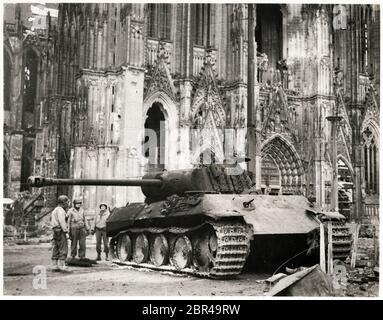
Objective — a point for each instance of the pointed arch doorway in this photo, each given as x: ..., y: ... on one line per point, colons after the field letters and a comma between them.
x: 282, y: 171
x: 155, y: 137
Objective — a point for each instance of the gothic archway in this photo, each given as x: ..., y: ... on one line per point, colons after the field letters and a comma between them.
x: 279, y: 157
x: 170, y: 127
x: 155, y: 137
x: 207, y: 157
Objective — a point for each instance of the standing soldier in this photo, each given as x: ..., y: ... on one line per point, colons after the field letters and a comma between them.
x: 99, y: 226
x: 79, y: 228
x: 60, y: 231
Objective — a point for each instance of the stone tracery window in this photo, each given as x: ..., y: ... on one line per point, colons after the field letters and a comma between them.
x: 202, y: 20
x: 371, y: 162
x: 159, y: 21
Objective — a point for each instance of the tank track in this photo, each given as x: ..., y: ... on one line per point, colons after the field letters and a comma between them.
x: 233, y: 247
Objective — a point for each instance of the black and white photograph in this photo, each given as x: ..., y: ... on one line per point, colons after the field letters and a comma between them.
x: 191, y: 150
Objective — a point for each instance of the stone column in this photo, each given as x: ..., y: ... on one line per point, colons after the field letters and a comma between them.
x: 253, y: 120
x: 357, y: 156
x: 334, y: 130
x: 132, y: 128
x: 184, y: 159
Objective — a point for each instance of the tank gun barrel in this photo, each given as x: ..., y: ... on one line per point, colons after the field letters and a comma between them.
x: 158, y: 186
x: 38, y: 182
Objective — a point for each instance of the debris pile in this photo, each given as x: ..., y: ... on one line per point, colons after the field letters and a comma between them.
x: 363, y: 282
x: 367, y: 252
x: 309, y: 282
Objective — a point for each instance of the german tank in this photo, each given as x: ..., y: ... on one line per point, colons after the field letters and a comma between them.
x: 202, y: 221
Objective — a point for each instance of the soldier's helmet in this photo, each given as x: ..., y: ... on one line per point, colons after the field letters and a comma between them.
x: 77, y: 201
x: 103, y: 204
x: 62, y: 199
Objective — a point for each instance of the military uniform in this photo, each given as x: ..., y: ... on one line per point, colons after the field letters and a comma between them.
x: 99, y: 227
x: 60, y: 230
x: 79, y: 228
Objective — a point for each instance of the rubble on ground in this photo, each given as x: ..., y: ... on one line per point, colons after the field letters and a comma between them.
x: 362, y: 282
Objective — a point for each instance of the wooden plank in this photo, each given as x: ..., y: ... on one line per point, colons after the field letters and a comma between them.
x: 322, y: 248
x: 310, y: 282
x: 355, y: 246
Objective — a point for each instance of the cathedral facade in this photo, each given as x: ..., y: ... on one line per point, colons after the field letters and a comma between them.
x: 84, y: 98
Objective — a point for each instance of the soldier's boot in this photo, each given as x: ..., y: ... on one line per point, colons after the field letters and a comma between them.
x: 54, y: 266
x: 106, y: 257
x: 62, y: 266
x: 98, y: 257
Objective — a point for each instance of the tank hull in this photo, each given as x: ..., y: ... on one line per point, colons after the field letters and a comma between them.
x: 232, y: 220
x: 265, y: 214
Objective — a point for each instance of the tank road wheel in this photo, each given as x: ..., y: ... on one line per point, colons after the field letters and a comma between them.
x: 159, y: 250
x: 113, y: 248
x: 141, y: 248
x: 205, y: 249
x: 124, y: 247
x: 182, y: 252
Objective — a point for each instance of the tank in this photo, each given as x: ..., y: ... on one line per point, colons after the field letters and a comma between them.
x: 208, y: 221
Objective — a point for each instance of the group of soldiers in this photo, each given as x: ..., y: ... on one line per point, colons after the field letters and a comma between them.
x: 71, y: 223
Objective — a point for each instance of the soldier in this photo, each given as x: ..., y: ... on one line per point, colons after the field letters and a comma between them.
x: 99, y: 227
x: 79, y: 228
x: 60, y: 232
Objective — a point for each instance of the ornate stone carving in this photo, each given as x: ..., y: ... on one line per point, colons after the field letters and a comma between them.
x: 31, y: 39
x: 160, y: 78
x: 277, y: 112
x: 136, y: 30
x: 371, y: 105
x: 92, y: 142
x: 207, y: 107
x: 262, y: 61
x: 132, y: 152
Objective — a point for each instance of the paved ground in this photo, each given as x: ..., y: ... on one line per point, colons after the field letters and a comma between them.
x: 108, y: 279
